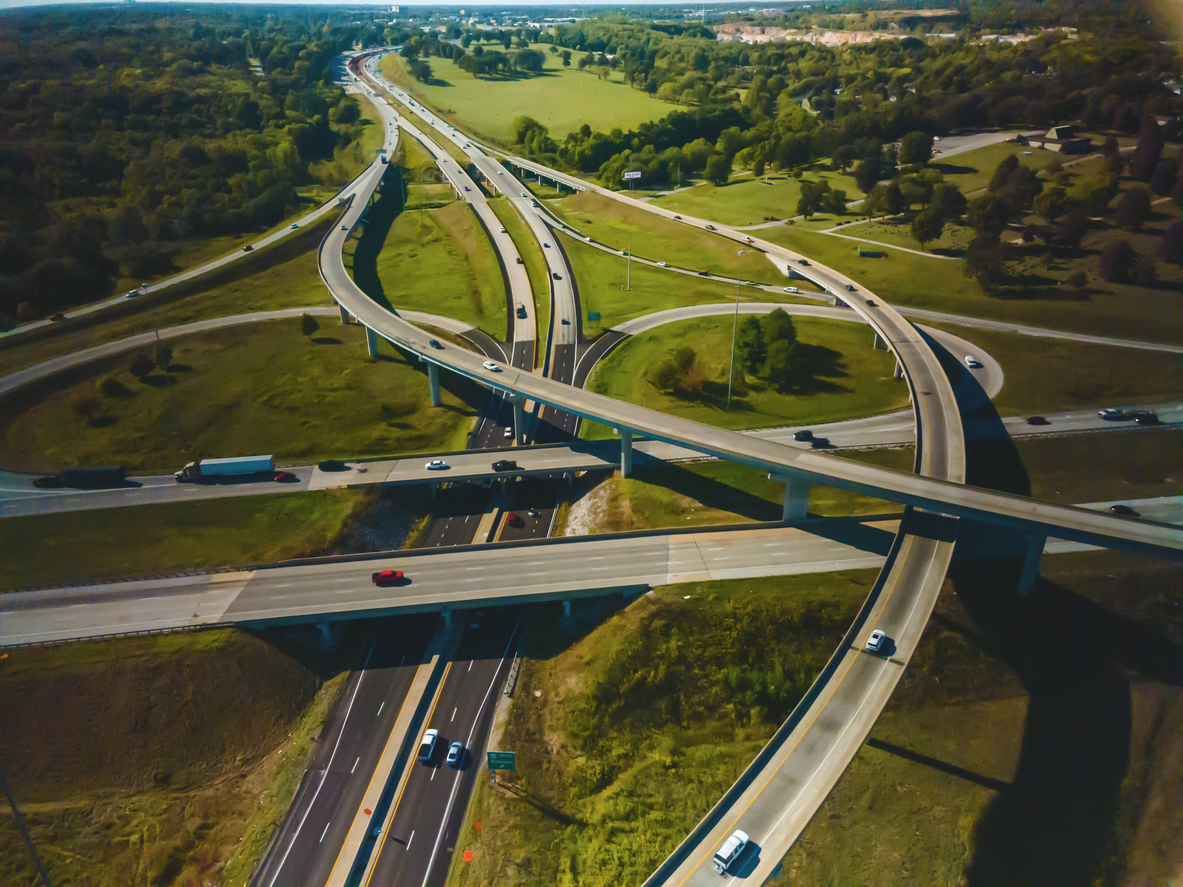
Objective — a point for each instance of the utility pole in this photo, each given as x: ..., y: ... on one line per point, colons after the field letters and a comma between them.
x: 734, y: 329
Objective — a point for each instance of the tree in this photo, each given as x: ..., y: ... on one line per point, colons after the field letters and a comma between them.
x: 141, y: 365
x: 988, y: 216
x: 845, y: 155
x: 1133, y: 209
x: 308, y: 324
x: 1052, y: 203
x: 529, y: 60
x: 164, y: 355
x: 566, y: 57
x: 784, y: 367
x: 1072, y: 228
x: 948, y: 200
x: 718, y: 169
x: 1170, y: 245
x: 112, y: 387
x: 1093, y: 193
x: 834, y: 202
x: 1115, y: 261
x: 1163, y: 178
x: 916, y: 147
x: 867, y: 173
x: 885, y: 199
x: 927, y: 226
x: 1142, y: 271
x: 985, y: 261
x: 750, y: 344
x: 778, y: 327
x: 1077, y: 279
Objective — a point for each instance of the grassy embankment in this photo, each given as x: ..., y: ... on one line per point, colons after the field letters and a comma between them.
x: 1027, y: 743
x: 531, y: 253
x: 437, y: 260
x: 850, y: 378
x: 163, y: 760
x: 254, y: 388
x: 601, y: 276
x: 748, y: 201
x: 628, y: 734
x: 562, y: 99
x: 653, y: 237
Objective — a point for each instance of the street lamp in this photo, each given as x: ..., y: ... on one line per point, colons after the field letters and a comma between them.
x: 734, y: 328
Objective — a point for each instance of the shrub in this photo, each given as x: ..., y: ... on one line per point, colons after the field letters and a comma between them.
x: 112, y: 387
x: 1115, y: 261
x: 141, y: 365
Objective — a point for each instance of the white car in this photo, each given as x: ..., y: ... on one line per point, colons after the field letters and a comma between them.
x: 436, y: 465
x: 663, y: 264
x: 875, y: 640
x: 455, y: 754
x: 491, y: 367
x: 427, y: 744
x: 972, y: 362
x: 732, y: 849
x: 502, y: 229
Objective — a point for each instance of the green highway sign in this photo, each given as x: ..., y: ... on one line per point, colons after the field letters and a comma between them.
x: 502, y: 760
x: 593, y: 315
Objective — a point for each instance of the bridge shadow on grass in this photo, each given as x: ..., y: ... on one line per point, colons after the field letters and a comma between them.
x: 708, y: 491
x: 936, y: 764
x: 379, y: 218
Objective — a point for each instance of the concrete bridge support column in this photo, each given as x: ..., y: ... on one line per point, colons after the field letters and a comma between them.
x: 1030, y: 571
x: 626, y: 452
x: 344, y: 313
x: 371, y: 342
x: 446, y: 612
x: 567, y: 608
x: 899, y: 370
x: 326, y: 633
x: 879, y: 343
x: 519, y: 419
x: 796, y: 501
x: 433, y: 380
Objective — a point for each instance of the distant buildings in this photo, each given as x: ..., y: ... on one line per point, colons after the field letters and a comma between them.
x: 1062, y: 139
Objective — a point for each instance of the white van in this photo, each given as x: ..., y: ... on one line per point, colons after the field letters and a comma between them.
x: 730, y: 852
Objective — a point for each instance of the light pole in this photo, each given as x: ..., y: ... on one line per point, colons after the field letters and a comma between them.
x: 734, y: 329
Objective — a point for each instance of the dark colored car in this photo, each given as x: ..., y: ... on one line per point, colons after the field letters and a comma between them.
x: 803, y: 434
x: 49, y: 482
x: 1037, y: 420
x: 285, y: 477
x: 436, y: 345
x: 332, y: 465
x: 505, y: 465
x: 1145, y: 418
x: 522, y: 312
x: 871, y: 302
x: 248, y: 248
x: 555, y: 275
x: 849, y: 288
x: 679, y: 218
x: 57, y: 318
x: 519, y: 260
x: 802, y: 262
x: 387, y: 577
x: 1123, y: 509
x: 702, y: 273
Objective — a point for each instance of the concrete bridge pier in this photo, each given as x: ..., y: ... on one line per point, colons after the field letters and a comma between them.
x: 327, y: 635
x: 567, y: 608
x: 796, y: 502
x: 433, y: 380
x: 371, y: 342
x: 519, y: 419
x: 879, y: 343
x: 899, y: 370
x: 1030, y: 571
x: 626, y: 452
x: 446, y: 612
x: 344, y: 313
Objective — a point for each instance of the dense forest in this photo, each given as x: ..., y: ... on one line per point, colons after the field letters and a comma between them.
x: 128, y: 130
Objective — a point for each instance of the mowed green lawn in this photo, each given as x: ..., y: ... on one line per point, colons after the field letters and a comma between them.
x: 562, y: 99
x: 616, y: 224
x: 853, y: 379
x: 749, y: 201
x: 114, y: 543
x: 971, y: 171
x: 436, y: 260
x: 255, y: 388
x: 601, y: 276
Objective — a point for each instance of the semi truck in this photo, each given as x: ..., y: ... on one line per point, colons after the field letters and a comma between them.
x: 236, y: 466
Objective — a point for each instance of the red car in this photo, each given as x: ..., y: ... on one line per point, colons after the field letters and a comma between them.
x: 285, y: 477
x: 387, y: 577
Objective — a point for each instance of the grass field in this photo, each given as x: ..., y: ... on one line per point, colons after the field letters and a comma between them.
x: 852, y: 378
x: 435, y: 260
x: 1138, y: 464
x: 531, y: 253
x: 147, y: 760
x: 255, y: 388
x: 626, y: 734
x: 971, y: 170
x: 749, y: 201
x: 600, y: 277
x: 283, y: 276
x: 1051, y: 375
x: 562, y: 99
x: 607, y: 221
